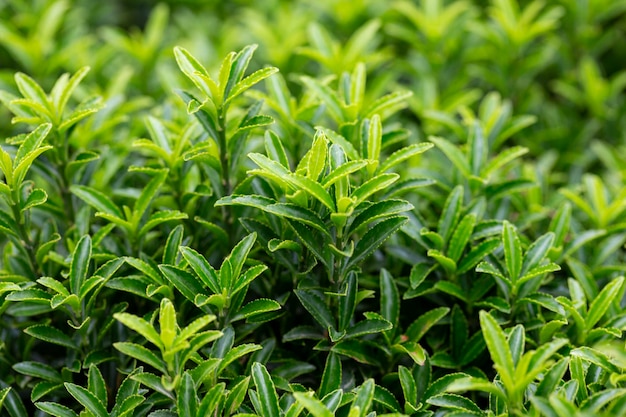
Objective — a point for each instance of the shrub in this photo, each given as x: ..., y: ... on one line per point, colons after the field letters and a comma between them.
x: 406, y: 208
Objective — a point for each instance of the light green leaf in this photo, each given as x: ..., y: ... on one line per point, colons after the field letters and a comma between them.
x: 603, y: 302
x: 498, y: 349
x: 403, y: 154
x: 312, y: 404
x: 140, y: 326
x: 453, y: 153
x: 460, y: 237
x: 250, y: 81
x: 141, y: 354
x: 97, y: 200
x: 512, y: 250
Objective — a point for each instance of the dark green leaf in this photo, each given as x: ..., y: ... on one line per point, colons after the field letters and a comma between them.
x: 51, y: 335
x: 374, y: 238
x: 87, y: 400
x: 267, y: 391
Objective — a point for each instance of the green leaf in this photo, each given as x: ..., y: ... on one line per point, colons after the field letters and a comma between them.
x: 274, y: 148
x: 403, y: 154
x: 502, y: 160
x: 460, y: 237
x: 237, y: 69
x: 202, y: 268
x: 451, y: 213
x: 148, y: 193
x: 552, y: 378
x: 603, y: 302
x: 422, y: 324
x: 409, y: 388
x: 97, y: 200
x: 455, y: 402
x: 142, y: 354
x: 267, y: 391
x: 140, y: 326
x: 560, y: 223
x: 316, y: 306
x: 347, y: 302
x: 313, y: 188
x: 314, y: 241
x: 477, y: 254
x: 368, y: 326
x: 36, y: 198
x: 247, y: 277
x: 236, y: 396
x: 31, y: 90
x: 448, y: 264
x: 476, y: 384
x: 187, y: 284
x: 317, y: 155
x: 389, y: 298
x: 388, y: 104
x: 374, y: 139
x: 312, y: 404
x: 364, y: 397
x: 54, y: 409
x: 301, y: 214
x: 61, y: 92
x: 236, y: 353
x: 331, y: 378
x: 51, y: 335
x: 258, y: 306
x: 159, y: 217
x: 372, y: 186
x: 186, y: 398
x: 537, y: 252
x: 453, y: 153
x: 80, y: 264
x: 385, y: 398
x: 328, y: 96
x: 374, y: 238
x: 87, y: 400
x: 377, y: 211
x: 512, y: 250
x: 498, y: 348
x: 250, y: 81
x: 96, y: 384
x: 32, y: 142
x: 38, y: 370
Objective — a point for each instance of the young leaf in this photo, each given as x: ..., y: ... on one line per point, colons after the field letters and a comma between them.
x: 312, y: 404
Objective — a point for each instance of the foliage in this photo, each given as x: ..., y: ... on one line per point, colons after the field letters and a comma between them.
x: 289, y: 208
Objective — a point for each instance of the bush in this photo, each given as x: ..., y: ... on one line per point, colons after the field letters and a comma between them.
x: 394, y: 208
